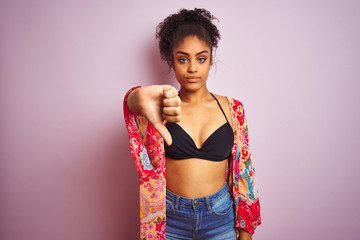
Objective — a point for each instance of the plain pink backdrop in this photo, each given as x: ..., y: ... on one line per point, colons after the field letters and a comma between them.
x: 66, y: 172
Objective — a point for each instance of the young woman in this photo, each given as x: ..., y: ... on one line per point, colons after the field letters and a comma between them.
x: 208, y: 191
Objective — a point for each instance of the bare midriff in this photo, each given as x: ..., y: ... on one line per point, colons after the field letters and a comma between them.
x: 194, y: 178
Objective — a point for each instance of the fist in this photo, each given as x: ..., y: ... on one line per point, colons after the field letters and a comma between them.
x: 171, y: 104
x: 158, y: 104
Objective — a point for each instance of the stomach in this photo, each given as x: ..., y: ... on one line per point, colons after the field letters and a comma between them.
x: 194, y: 178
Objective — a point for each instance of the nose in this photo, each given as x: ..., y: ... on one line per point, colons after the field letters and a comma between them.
x: 192, y: 67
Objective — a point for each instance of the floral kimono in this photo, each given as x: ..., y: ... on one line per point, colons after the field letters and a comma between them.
x: 147, y: 148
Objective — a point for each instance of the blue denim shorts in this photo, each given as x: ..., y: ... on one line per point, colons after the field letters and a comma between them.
x: 210, y: 218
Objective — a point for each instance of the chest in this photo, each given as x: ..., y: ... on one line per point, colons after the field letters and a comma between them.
x: 200, y: 122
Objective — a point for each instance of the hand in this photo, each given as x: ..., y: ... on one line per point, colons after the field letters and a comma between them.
x: 244, y: 235
x: 158, y: 104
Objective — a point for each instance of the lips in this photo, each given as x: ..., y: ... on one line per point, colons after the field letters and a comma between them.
x: 192, y: 79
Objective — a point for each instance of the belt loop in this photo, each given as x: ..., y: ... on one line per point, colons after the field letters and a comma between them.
x: 176, y: 201
x: 208, y: 203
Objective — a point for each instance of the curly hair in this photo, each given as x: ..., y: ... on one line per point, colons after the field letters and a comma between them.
x: 176, y: 27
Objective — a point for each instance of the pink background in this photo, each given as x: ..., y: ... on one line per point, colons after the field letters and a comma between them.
x: 66, y: 172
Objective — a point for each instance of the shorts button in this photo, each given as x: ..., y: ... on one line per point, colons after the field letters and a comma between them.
x: 196, y: 203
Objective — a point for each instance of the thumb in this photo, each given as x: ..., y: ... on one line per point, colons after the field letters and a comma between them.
x: 164, y: 132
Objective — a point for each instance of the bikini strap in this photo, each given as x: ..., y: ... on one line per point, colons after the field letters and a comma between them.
x: 219, y: 106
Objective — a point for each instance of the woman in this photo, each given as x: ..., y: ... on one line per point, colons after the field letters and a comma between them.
x: 208, y: 191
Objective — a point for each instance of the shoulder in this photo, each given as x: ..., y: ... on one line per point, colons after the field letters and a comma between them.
x: 232, y: 103
x: 222, y: 99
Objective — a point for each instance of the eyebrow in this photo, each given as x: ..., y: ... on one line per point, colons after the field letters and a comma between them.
x: 180, y: 52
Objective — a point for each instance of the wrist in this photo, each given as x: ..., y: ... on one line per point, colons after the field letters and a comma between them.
x: 132, y: 100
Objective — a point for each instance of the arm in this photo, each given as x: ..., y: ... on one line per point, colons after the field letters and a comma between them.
x: 147, y: 149
x: 245, y: 193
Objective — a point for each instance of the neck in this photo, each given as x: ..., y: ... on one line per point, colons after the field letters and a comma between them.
x: 194, y: 96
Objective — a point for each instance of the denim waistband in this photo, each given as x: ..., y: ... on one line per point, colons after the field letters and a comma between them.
x: 196, y: 202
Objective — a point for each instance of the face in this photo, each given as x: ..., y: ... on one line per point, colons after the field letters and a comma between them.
x: 192, y: 61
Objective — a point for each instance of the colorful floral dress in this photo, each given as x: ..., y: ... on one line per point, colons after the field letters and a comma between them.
x: 147, y: 148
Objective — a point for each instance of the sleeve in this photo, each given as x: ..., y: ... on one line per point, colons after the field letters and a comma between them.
x: 145, y: 144
x: 245, y: 192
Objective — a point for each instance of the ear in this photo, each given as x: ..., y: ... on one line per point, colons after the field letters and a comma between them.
x: 171, y: 65
x: 171, y: 62
x: 211, y: 61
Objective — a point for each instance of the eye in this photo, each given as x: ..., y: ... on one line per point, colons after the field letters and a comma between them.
x: 201, y: 60
x: 183, y: 60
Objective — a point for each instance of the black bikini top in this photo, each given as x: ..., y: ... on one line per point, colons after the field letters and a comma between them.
x: 217, y: 146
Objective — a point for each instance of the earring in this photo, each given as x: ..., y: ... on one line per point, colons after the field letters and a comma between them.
x: 210, y: 66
